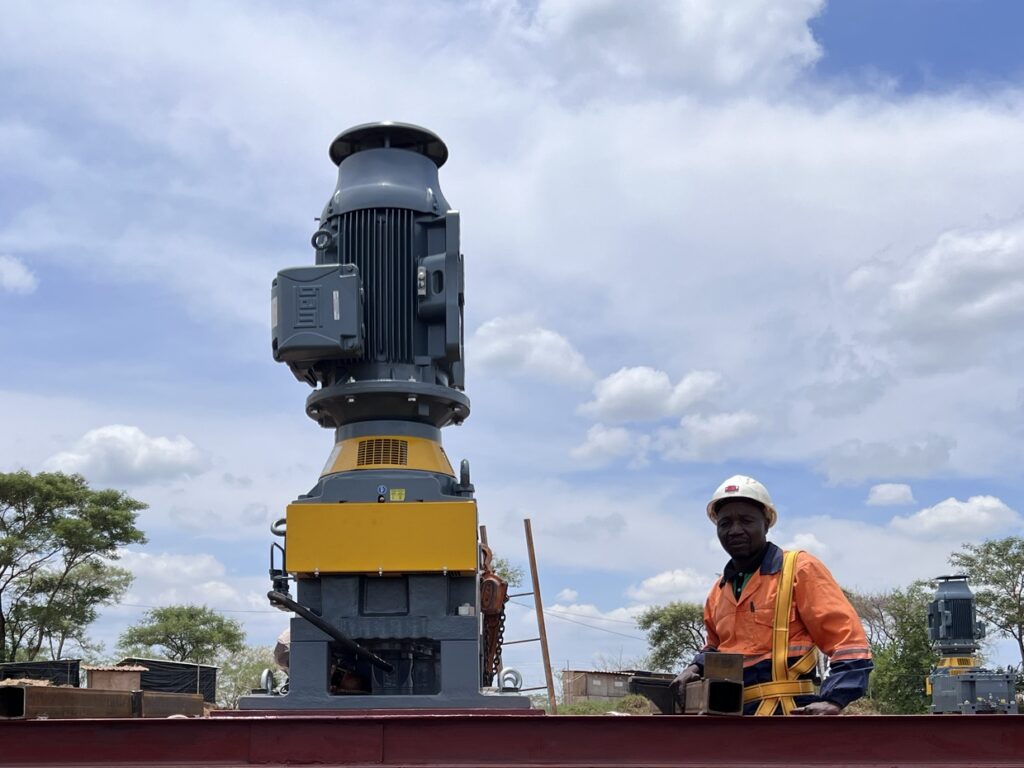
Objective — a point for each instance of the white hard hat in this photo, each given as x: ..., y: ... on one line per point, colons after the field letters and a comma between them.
x: 743, y: 487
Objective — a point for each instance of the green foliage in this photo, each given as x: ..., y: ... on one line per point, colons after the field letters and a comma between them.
x: 865, y: 705
x: 995, y: 571
x: 513, y: 574
x: 896, y: 623
x: 635, y: 704
x: 56, y: 538
x: 632, y: 704
x: 240, y: 672
x: 675, y: 632
x: 587, y: 707
x: 185, y: 633
x: 75, y: 603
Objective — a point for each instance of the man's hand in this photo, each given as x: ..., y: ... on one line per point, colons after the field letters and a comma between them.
x: 817, y: 708
x: 678, y: 686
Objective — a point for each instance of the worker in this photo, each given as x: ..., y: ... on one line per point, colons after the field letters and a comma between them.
x: 778, y: 608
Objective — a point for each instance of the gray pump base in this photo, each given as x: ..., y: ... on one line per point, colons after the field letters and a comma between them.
x: 426, y: 624
x: 971, y: 693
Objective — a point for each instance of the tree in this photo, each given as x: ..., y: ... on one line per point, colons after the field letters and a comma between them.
x: 606, y: 662
x: 896, y: 623
x: 675, y: 632
x: 995, y: 570
x: 57, y: 537
x: 76, y: 601
x: 240, y: 673
x: 185, y: 633
x: 513, y: 574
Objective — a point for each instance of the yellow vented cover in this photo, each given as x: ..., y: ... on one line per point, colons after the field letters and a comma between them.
x: 388, y: 452
x: 393, y: 538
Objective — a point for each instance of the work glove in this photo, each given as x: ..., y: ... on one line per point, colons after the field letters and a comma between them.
x: 678, y: 685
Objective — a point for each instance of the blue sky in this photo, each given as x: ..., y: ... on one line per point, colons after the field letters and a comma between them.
x: 923, y: 45
x: 785, y: 240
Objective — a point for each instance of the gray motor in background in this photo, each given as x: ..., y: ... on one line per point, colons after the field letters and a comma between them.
x: 958, y: 684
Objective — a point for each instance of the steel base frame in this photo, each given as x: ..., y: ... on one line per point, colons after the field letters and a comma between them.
x: 375, y: 738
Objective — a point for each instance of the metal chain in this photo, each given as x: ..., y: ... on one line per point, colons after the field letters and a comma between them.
x: 496, y: 667
x: 487, y: 673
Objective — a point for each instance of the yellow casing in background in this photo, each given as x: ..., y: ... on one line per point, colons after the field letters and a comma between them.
x: 361, y: 537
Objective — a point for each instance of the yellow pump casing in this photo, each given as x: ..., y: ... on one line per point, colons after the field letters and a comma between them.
x: 365, y: 537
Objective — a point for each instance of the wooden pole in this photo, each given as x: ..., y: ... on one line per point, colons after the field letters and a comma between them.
x: 483, y: 535
x: 539, y: 605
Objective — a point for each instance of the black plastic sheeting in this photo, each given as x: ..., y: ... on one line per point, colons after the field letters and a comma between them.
x: 60, y: 672
x: 177, y: 677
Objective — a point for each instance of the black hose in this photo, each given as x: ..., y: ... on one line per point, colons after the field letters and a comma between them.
x: 345, y: 642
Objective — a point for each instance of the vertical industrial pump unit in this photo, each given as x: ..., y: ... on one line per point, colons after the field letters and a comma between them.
x: 395, y: 603
x: 958, y: 684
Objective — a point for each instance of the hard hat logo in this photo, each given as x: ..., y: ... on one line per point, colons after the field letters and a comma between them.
x: 743, y: 487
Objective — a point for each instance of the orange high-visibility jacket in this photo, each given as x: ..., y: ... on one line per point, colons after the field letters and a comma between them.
x: 820, y: 616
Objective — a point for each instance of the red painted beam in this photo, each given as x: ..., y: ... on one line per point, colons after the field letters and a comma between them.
x: 978, y: 741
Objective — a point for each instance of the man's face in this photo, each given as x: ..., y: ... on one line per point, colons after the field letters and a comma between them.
x: 742, y: 528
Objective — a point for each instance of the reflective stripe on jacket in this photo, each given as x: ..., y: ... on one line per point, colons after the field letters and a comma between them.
x: 821, y: 616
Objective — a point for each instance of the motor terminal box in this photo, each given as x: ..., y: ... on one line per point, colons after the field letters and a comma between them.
x: 317, y: 314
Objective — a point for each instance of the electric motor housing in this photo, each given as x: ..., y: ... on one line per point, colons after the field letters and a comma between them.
x: 952, y: 624
x: 376, y: 327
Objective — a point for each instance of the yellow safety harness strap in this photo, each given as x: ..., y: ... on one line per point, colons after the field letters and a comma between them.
x: 774, y: 690
x: 784, y: 685
x: 804, y: 664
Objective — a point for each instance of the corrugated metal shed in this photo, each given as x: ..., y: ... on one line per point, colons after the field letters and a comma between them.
x: 598, y: 685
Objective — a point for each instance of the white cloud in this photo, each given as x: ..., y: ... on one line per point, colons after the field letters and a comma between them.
x: 593, y: 527
x: 847, y: 544
x: 15, y: 277
x: 517, y: 345
x: 644, y: 394
x: 596, y: 525
x: 702, y: 437
x: 855, y: 461
x: 719, y: 428
x: 229, y: 519
x: 809, y: 543
x: 890, y: 494
x: 164, y: 578
x: 678, y: 584
x: 168, y: 569
x: 121, y: 453
x: 567, y: 595
x: 603, y: 444
x: 979, y: 516
x: 699, y: 45
x: 595, y: 616
x: 847, y: 376
x: 200, y: 578
x: 967, y: 280
x: 710, y: 215
x: 957, y: 302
